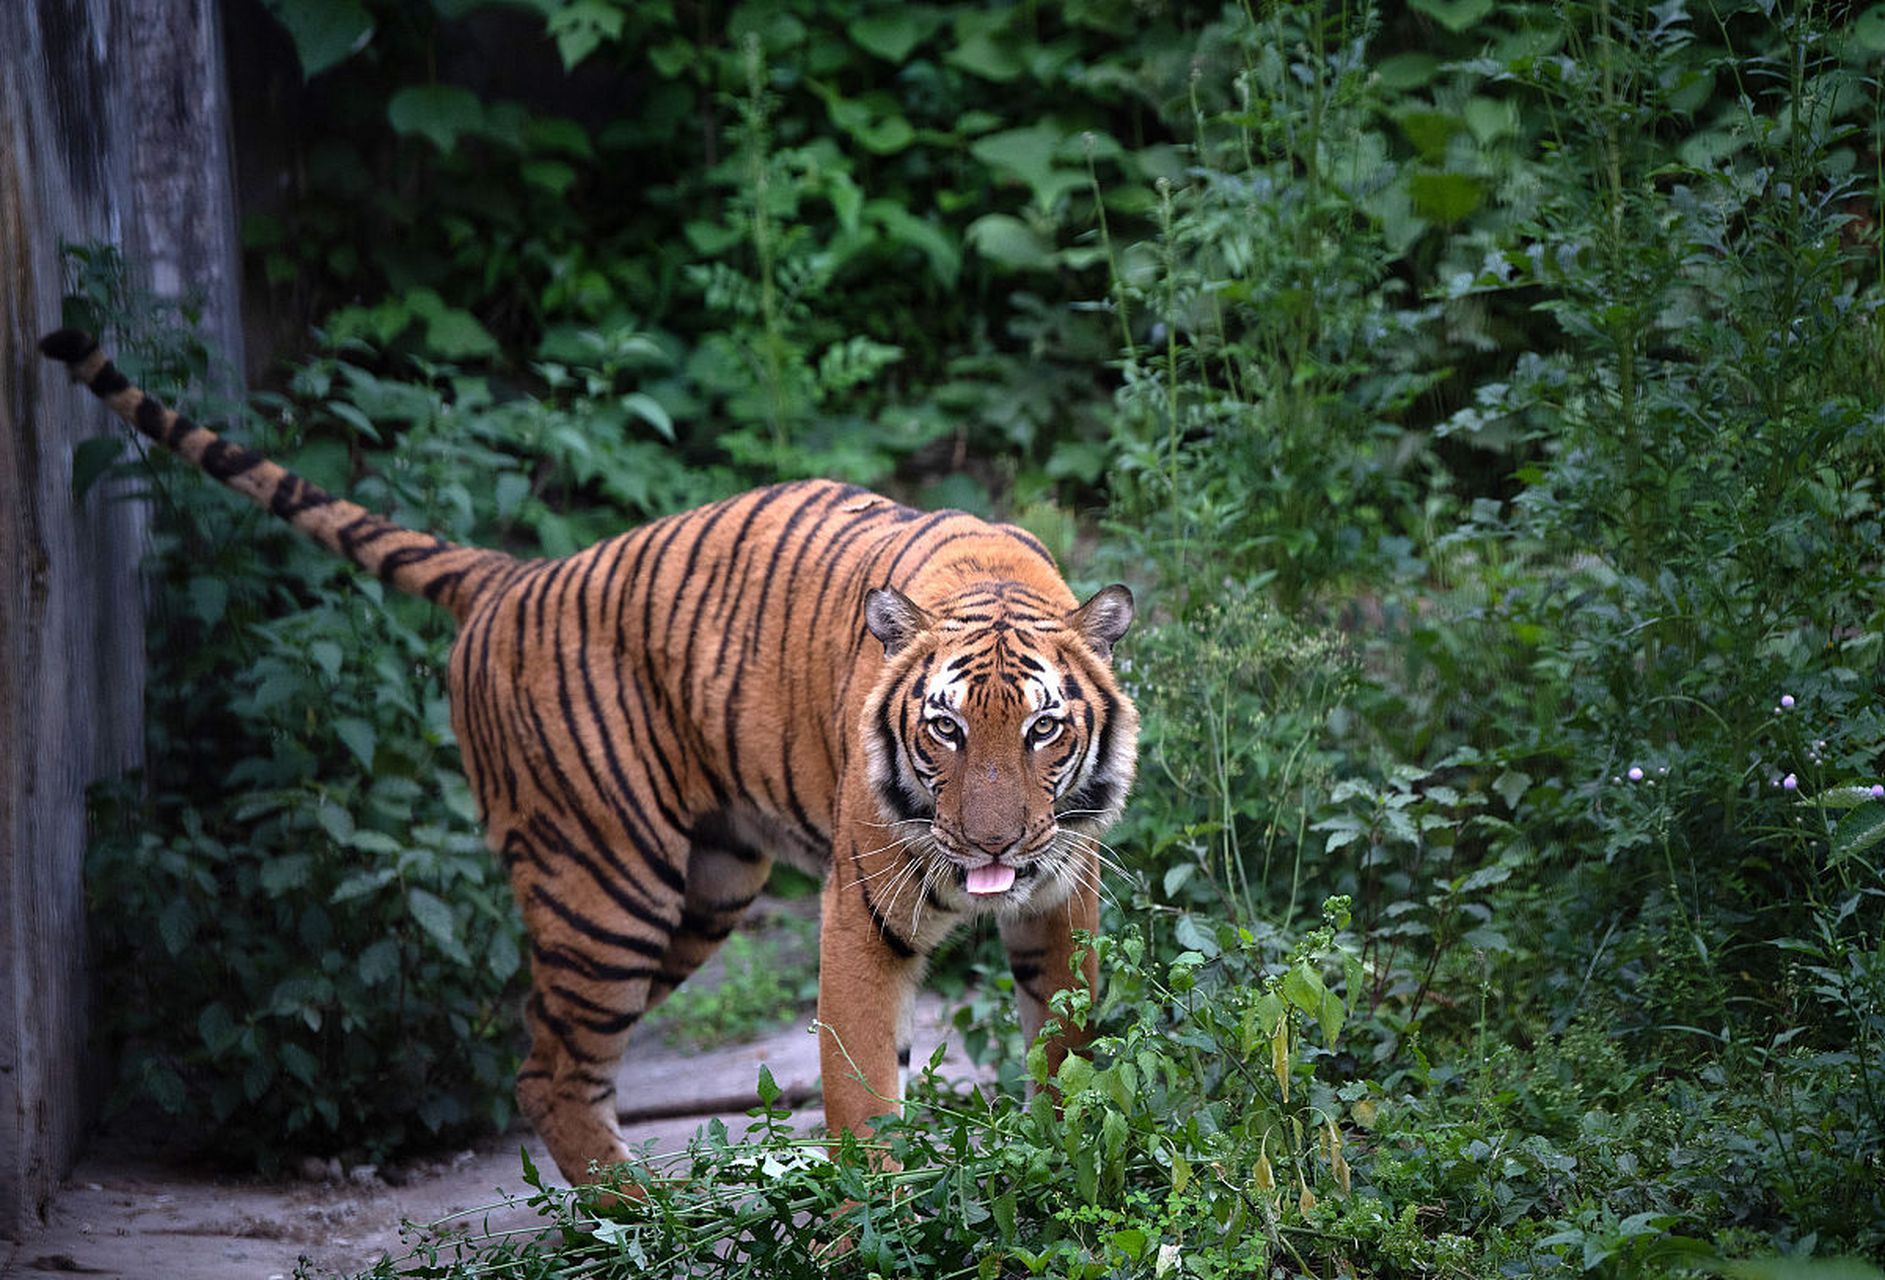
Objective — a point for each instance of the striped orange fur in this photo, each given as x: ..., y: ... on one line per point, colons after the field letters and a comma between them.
x: 911, y: 705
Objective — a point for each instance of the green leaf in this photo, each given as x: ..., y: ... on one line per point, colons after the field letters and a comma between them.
x: 1445, y: 197
x: 359, y: 738
x: 932, y: 241
x: 91, y: 460
x: 1196, y: 936
x: 378, y: 962
x: 894, y: 34
x: 1302, y: 987
x: 436, y: 919
x: 1002, y: 1208
x: 334, y: 820
x: 438, y: 112
x: 163, y: 1085
x: 502, y: 956
x: 1454, y: 15
x: 1430, y: 132
x: 361, y: 883
x: 1130, y: 1241
x: 376, y: 842
x: 286, y: 872
x: 1839, y: 798
x: 580, y: 26
x: 450, y: 332
x: 557, y: 133
x: 1511, y: 786
x: 1405, y: 71
x: 209, y: 599
x: 1857, y: 832
x: 1869, y: 28
x: 217, y: 1027
x: 511, y: 490
x: 989, y: 55
x: 649, y: 410
x: 1010, y: 242
x: 1330, y: 1013
x: 299, y: 1063
x: 552, y: 176
x: 1028, y: 154
x: 176, y: 925
x: 325, y: 32
x: 327, y: 656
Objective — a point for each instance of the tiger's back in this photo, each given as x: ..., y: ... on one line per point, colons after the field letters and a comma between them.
x: 910, y: 704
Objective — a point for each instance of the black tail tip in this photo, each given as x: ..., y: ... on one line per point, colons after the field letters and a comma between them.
x: 68, y: 346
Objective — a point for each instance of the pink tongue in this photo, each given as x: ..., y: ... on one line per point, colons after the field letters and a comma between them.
x: 991, y: 877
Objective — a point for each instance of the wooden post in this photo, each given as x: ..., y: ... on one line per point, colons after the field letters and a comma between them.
x: 95, y: 96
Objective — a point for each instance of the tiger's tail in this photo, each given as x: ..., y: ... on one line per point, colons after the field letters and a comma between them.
x: 417, y: 563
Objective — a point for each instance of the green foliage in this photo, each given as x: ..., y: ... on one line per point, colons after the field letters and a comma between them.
x: 767, y: 981
x: 1218, y: 1131
x: 859, y: 256
x: 1486, y: 397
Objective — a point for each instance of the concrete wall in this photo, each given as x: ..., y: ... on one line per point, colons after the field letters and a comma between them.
x: 113, y: 127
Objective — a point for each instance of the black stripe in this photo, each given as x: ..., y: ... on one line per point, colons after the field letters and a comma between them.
x: 561, y: 958
x: 599, y: 933
x: 891, y: 937
x: 68, y: 346
x: 149, y: 417
x: 625, y: 798
x: 615, y: 886
x: 225, y: 461
x: 606, y: 1021
x: 408, y: 556
x: 560, y: 1029
x: 443, y: 583
x: 295, y: 495
x: 108, y: 381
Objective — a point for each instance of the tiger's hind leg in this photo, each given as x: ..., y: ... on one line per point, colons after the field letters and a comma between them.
x: 724, y: 876
x: 599, y: 930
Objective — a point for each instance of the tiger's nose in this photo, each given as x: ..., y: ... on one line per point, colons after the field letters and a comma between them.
x: 993, y: 846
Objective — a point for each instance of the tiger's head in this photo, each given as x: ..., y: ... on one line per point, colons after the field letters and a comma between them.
x: 999, y: 743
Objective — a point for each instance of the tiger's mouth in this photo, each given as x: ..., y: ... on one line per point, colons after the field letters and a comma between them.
x: 982, y: 875
x: 994, y: 877
x: 989, y: 879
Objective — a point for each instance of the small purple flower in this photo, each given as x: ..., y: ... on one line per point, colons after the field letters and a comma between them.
x: 1878, y: 792
x: 1636, y: 773
x: 1786, y: 702
x: 1790, y: 783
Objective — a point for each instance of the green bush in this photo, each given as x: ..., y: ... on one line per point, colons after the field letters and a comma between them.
x: 1486, y: 399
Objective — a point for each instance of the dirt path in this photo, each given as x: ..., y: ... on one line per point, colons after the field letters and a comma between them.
x: 124, y: 1214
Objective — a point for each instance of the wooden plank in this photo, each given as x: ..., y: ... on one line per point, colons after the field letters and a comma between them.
x: 73, y: 114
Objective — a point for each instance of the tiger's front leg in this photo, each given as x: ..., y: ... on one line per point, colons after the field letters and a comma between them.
x: 870, y: 960
x: 1040, y: 955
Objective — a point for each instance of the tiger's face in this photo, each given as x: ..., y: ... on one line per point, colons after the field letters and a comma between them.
x: 999, y: 744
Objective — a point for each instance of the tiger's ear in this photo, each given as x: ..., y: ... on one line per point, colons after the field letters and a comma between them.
x: 894, y: 618
x: 1103, y: 619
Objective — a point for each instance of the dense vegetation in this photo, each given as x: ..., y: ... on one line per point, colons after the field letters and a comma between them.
x: 1486, y: 400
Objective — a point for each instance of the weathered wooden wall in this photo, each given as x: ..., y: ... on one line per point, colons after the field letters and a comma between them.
x: 113, y: 127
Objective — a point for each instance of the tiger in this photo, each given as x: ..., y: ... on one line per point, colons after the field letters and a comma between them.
x: 912, y: 706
